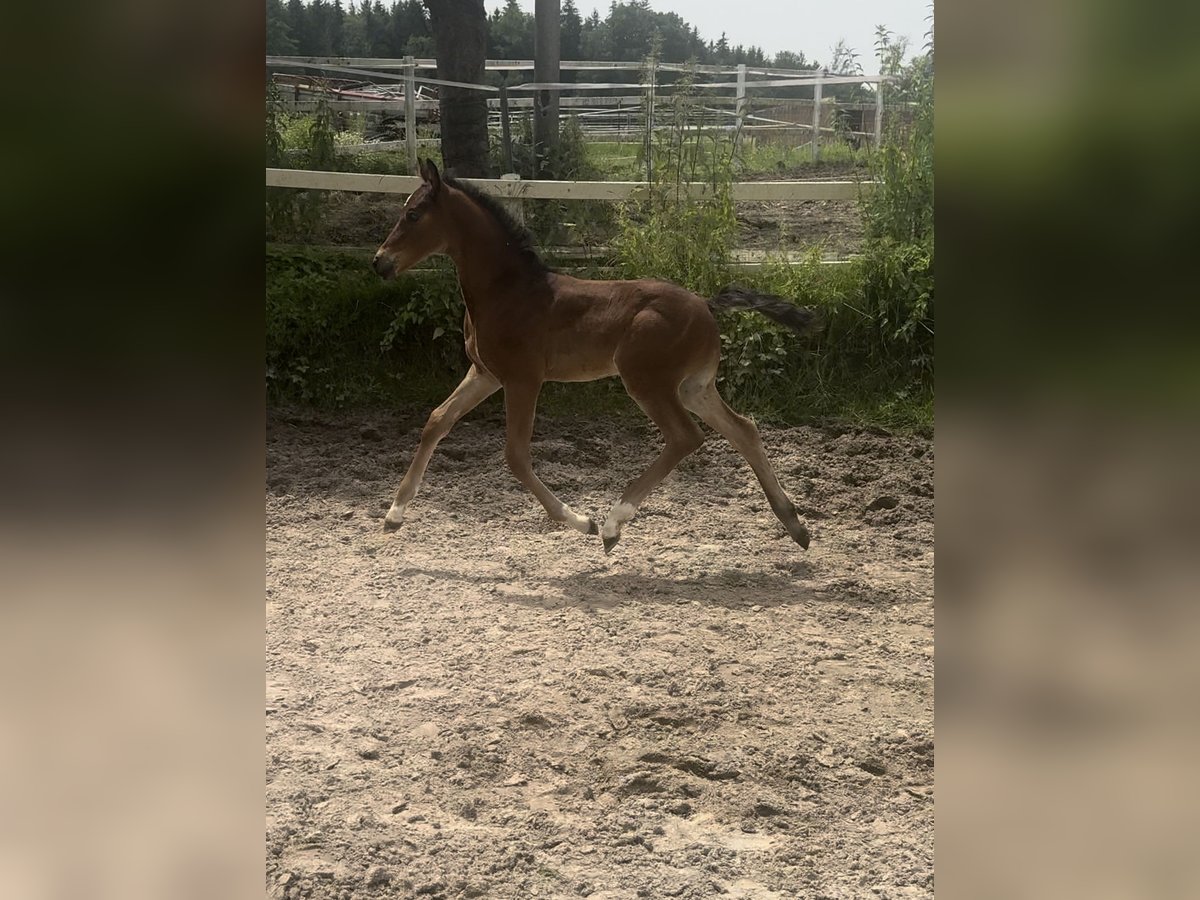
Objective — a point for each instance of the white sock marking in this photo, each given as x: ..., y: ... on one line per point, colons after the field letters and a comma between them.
x: 620, y: 514
x: 576, y: 521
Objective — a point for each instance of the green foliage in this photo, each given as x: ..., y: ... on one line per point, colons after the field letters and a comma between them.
x: 280, y: 202
x: 297, y: 142
x: 758, y: 155
x: 433, y: 311
x: 279, y: 32
x: 900, y: 209
x: 667, y: 235
x: 898, y: 296
x: 847, y: 369
x: 336, y: 332
x: 898, y: 215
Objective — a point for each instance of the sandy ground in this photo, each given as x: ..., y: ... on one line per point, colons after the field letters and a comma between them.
x: 485, y: 705
x: 833, y: 225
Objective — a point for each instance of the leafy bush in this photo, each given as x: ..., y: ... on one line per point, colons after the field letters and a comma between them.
x: 297, y: 142
x: 668, y: 235
x: 336, y: 332
x: 898, y: 215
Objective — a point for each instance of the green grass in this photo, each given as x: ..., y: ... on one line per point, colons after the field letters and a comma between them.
x: 760, y: 155
x: 620, y: 160
x: 617, y: 160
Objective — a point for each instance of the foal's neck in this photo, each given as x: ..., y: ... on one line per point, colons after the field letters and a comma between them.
x: 483, y: 254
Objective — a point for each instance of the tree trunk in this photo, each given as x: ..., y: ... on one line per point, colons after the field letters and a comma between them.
x: 460, y: 35
x: 547, y: 27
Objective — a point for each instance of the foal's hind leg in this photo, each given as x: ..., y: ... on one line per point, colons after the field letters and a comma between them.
x: 661, y: 403
x: 477, y: 386
x: 520, y: 405
x: 701, y: 397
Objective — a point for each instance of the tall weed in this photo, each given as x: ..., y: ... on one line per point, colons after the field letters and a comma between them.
x: 666, y: 234
x: 898, y: 218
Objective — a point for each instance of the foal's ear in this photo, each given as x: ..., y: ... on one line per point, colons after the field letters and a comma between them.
x: 432, y: 177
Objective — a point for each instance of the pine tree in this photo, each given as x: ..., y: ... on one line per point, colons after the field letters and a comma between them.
x: 297, y: 20
x: 571, y: 37
x: 279, y: 31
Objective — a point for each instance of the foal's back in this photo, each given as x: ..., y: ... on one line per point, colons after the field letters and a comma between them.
x: 601, y: 328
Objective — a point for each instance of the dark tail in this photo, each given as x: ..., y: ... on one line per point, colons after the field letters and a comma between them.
x: 798, y: 318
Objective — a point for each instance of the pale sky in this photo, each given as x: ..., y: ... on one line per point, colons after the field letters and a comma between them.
x: 809, y: 27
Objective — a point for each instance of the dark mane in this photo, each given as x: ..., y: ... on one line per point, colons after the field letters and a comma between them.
x: 518, y: 236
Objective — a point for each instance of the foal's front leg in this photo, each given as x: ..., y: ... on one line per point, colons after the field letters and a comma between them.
x: 477, y: 386
x: 520, y: 404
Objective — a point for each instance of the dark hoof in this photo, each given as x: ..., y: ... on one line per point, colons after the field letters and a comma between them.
x: 611, y: 542
x: 389, y: 525
x: 801, y: 537
x: 593, y: 528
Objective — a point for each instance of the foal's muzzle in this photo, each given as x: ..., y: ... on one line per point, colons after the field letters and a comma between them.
x: 383, y: 265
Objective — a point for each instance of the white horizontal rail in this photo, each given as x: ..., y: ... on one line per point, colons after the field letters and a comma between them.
x: 697, y: 85
x: 563, y: 190
x: 798, y: 81
x: 514, y: 65
x: 396, y: 105
x: 374, y: 146
x: 613, y: 104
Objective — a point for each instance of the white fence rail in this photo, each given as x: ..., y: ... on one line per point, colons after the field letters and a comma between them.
x: 614, y: 191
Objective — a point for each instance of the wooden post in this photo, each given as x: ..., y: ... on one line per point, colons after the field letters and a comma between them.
x: 649, y: 141
x: 537, y: 148
x: 878, y: 114
x: 410, y: 111
x: 816, y: 136
x: 515, y: 207
x: 740, y: 104
x: 547, y: 25
x: 505, y: 132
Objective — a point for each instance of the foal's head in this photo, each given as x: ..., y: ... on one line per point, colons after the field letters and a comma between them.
x: 421, y: 231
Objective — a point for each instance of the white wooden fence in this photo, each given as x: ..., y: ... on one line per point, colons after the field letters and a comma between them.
x: 565, y: 190
x: 739, y: 117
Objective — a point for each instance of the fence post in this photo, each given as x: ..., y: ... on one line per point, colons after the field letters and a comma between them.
x: 650, y: 120
x: 514, y: 205
x: 816, y: 136
x: 740, y: 104
x: 878, y: 114
x: 410, y: 111
x: 505, y: 131
x: 537, y: 115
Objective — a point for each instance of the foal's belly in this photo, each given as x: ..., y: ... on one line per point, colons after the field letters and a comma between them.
x: 586, y: 368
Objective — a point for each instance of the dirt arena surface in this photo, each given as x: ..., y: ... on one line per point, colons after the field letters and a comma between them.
x: 485, y: 705
x: 833, y: 225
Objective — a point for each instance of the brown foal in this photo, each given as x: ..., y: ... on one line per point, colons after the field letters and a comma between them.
x: 526, y: 325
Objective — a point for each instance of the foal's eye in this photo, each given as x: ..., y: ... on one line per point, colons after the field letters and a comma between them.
x: 412, y: 215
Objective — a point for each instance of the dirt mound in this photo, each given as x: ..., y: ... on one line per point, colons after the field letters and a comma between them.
x: 485, y: 705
